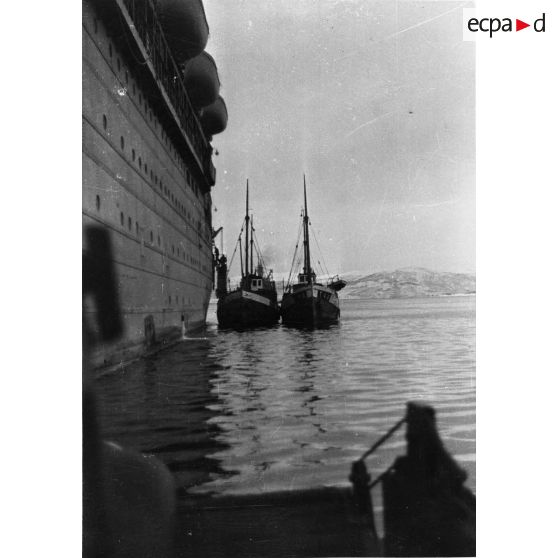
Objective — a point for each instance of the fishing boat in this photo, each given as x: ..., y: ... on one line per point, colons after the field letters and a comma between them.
x: 309, y: 302
x: 254, y: 302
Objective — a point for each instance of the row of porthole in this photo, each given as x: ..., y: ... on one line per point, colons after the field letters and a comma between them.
x: 179, y: 206
x: 166, y: 139
x: 169, y: 298
x: 164, y: 190
x: 176, y: 300
x: 143, y: 103
x: 175, y: 250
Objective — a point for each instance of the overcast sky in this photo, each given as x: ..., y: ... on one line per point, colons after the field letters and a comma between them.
x: 375, y: 102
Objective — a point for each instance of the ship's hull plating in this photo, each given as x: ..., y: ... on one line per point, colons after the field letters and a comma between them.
x: 141, y: 187
x: 311, y: 306
x: 242, y: 309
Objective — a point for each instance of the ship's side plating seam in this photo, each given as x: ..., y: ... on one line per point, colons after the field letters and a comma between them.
x: 144, y: 187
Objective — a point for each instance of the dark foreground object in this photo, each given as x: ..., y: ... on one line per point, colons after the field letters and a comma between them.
x: 130, y: 507
x: 427, y: 509
x: 319, y: 522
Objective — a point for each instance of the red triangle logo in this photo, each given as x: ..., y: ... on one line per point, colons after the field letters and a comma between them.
x: 519, y: 25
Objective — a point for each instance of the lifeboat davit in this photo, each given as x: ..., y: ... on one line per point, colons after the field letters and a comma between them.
x: 185, y: 27
x: 214, y: 118
x: 201, y: 80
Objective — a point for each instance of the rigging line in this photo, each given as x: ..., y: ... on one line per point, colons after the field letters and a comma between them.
x: 314, y: 267
x: 295, y: 253
x: 234, y: 252
x: 258, y: 248
x: 299, y: 261
x: 320, y: 250
x: 232, y: 259
x: 321, y: 269
x: 259, y: 254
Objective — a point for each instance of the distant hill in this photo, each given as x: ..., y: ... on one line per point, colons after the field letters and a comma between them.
x: 409, y: 283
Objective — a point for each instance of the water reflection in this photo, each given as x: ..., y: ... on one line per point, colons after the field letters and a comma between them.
x: 162, y: 406
x: 282, y: 408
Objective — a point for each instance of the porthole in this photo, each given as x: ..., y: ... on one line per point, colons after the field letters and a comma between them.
x: 173, y: 249
x: 137, y: 229
x: 129, y: 223
x: 151, y: 174
x: 122, y: 142
x: 151, y: 236
x: 139, y: 162
x: 105, y: 121
x: 133, y: 154
x: 98, y: 202
x: 145, y: 167
x: 122, y: 218
x: 170, y: 300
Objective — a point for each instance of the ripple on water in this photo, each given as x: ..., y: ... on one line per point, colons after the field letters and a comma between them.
x: 280, y: 408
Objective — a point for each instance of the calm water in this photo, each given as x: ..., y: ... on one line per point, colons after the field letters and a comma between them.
x: 281, y: 408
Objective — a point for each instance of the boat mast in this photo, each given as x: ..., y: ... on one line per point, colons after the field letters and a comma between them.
x: 240, y: 252
x: 247, y: 226
x: 252, y: 244
x: 307, y: 269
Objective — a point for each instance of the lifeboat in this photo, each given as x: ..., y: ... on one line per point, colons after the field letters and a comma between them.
x: 201, y: 80
x: 214, y: 118
x: 185, y: 27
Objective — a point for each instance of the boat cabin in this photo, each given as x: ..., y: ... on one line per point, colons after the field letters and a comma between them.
x: 307, y: 277
x: 257, y: 283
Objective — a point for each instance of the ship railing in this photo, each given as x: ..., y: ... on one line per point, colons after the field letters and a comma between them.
x: 143, y: 15
x: 361, y: 480
x: 426, y: 504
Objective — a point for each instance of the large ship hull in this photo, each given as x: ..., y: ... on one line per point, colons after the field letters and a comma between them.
x: 147, y: 175
x: 310, y: 306
x: 242, y: 309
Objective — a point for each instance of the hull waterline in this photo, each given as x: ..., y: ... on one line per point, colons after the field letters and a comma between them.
x: 244, y: 310
x: 308, y: 312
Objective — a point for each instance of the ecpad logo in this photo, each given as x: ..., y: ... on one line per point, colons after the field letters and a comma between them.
x: 492, y: 25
